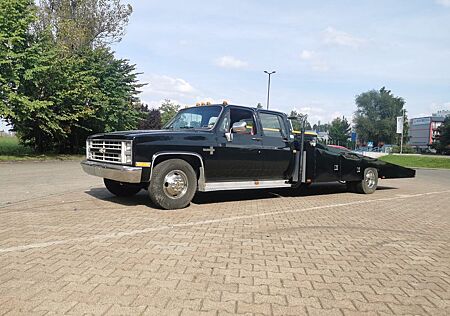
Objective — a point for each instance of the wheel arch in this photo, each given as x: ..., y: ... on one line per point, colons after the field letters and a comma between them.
x: 194, y: 159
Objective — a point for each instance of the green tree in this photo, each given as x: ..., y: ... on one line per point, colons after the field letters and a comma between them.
x: 151, y: 118
x: 259, y: 106
x: 375, y: 117
x: 339, y: 131
x: 16, y: 47
x: 80, y: 24
x: 168, y: 110
x: 296, y: 124
x: 321, y: 127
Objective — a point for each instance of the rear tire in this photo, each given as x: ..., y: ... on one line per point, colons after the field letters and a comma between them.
x: 173, y: 184
x: 122, y: 188
x: 369, y: 183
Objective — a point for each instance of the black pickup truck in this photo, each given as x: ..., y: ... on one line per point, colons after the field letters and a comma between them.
x: 225, y: 147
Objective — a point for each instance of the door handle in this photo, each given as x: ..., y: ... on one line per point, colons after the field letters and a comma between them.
x: 257, y: 139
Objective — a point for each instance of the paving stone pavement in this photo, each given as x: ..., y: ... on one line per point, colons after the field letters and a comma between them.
x: 67, y: 246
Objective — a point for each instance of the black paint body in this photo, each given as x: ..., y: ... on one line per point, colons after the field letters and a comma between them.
x: 252, y: 157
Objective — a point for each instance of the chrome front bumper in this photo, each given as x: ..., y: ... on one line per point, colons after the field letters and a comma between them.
x: 114, y: 172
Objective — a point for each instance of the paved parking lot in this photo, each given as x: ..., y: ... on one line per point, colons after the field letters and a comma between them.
x: 68, y: 246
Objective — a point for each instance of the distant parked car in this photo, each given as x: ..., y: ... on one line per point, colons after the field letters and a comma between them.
x: 387, y: 148
x: 361, y: 149
x: 339, y: 147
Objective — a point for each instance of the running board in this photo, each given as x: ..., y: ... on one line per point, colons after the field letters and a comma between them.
x: 243, y: 185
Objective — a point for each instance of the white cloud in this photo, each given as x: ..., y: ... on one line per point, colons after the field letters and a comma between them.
x: 306, y: 54
x: 230, y: 62
x: 160, y: 87
x: 162, y: 84
x: 316, y: 63
x: 177, y: 90
x: 445, y: 3
x: 333, y: 36
x: 317, y: 112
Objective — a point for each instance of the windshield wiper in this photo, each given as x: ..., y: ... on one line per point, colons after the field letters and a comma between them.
x: 186, y: 127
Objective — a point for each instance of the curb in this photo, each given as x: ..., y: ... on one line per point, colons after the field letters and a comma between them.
x: 424, y: 168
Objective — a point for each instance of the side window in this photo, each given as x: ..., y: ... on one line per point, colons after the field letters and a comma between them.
x: 242, y: 115
x: 272, y: 125
x: 225, y: 123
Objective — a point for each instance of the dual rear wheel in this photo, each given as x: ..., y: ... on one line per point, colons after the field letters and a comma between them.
x: 367, y: 185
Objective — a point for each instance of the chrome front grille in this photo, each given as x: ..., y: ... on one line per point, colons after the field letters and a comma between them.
x: 109, y: 150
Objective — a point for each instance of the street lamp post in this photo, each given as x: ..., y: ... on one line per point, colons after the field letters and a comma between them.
x: 403, y: 126
x: 268, y: 86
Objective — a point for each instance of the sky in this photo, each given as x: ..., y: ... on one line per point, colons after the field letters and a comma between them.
x: 324, y: 52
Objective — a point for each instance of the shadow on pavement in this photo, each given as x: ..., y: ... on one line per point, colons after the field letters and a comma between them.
x: 142, y: 197
x: 103, y: 194
x: 245, y: 195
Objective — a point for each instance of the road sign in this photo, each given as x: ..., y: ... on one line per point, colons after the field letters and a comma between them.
x: 370, y: 144
x: 354, y: 137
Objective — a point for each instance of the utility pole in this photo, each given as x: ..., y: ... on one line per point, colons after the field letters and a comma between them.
x: 268, y: 86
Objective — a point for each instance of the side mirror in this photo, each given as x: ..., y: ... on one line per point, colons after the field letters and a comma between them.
x: 229, y: 136
x: 239, y: 127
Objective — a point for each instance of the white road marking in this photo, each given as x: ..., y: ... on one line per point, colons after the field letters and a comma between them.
x: 117, y: 235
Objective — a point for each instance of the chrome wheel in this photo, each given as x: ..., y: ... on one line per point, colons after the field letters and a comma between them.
x: 175, y: 184
x: 371, y: 179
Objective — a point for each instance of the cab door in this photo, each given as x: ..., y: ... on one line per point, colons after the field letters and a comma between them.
x: 276, y: 151
x: 240, y: 158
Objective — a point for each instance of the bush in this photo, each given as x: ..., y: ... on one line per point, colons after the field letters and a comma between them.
x: 407, y: 149
x: 10, y: 146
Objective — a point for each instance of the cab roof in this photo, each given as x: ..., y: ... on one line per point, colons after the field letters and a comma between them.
x: 240, y: 106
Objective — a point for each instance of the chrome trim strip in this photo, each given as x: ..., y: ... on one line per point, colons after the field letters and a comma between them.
x: 201, y: 180
x: 304, y: 168
x: 114, y: 172
x: 243, y: 185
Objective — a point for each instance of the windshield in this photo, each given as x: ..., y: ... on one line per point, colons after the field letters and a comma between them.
x: 198, y: 117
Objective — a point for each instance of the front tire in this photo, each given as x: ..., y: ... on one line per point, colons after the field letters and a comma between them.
x: 173, y: 184
x: 369, y: 183
x: 122, y: 189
